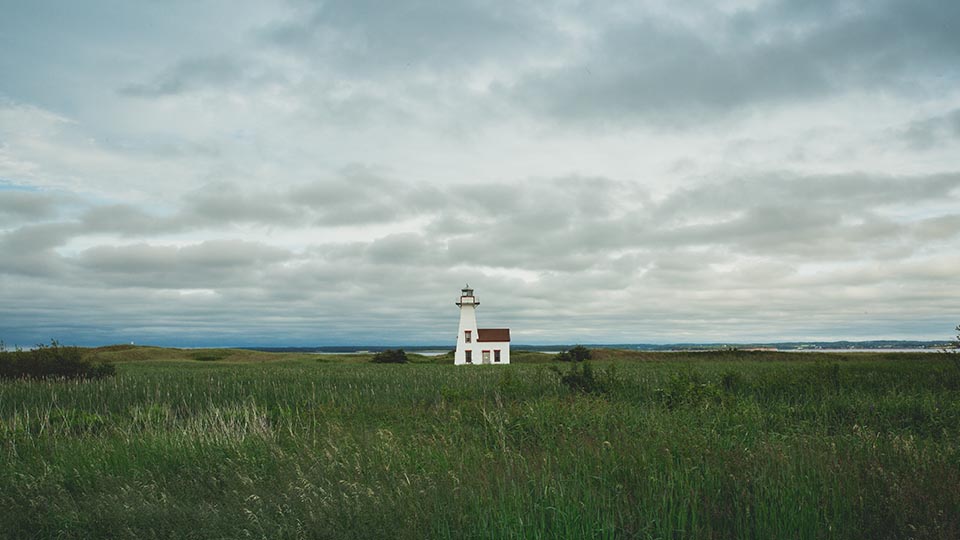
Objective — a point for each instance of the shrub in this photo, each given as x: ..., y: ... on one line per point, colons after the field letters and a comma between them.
x: 210, y: 355
x: 578, y: 353
x: 390, y: 356
x: 582, y: 379
x: 50, y: 361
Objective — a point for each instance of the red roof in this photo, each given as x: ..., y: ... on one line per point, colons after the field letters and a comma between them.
x: 493, y: 334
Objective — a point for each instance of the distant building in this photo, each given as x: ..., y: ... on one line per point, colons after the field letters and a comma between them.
x: 479, y: 345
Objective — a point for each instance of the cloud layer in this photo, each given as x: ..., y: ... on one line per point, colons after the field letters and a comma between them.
x: 299, y: 173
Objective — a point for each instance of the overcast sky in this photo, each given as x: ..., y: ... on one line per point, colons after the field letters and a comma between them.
x: 223, y: 172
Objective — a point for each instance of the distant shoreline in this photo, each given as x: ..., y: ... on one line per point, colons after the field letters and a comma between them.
x: 828, y: 347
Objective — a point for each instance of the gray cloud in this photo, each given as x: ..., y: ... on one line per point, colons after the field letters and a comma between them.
x: 36, y: 237
x: 836, y: 216
x: 124, y: 219
x: 370, y: 37
x: 783, y: 52
x: 213, y: 263
x: 571, y: 224
x: 190, y: 74
x: 359, y: 197
x: 225, y: 203
x: 933, y: 131
x: 352, y: 197
x: 17, y: 207
x: 305, y: 172
x: 28, y: 250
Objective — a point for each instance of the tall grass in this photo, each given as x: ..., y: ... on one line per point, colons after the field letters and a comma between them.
x: 745, y: 446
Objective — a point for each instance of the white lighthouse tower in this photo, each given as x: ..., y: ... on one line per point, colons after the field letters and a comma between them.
x: 479, y: 345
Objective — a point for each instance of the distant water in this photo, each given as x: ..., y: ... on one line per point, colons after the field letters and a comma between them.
x: 367, y: 351
x: 931, y: 347
x: 862, y: 350
x: 806, y: 350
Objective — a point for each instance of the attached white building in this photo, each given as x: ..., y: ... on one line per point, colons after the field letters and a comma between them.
x: 479, y: 345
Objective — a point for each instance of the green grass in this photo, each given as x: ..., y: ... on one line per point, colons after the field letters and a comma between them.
x: 240, y: 444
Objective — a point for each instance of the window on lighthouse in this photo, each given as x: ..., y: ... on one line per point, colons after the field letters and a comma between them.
x: 469, y: 356
x: 467, y: 336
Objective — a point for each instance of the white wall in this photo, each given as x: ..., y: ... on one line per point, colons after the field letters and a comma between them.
x: 491, y: 346
x: 468, y: 321
x: 478, y: 348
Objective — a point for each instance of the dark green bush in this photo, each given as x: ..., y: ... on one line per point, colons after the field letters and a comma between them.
x: 390, y: 356
x: 210, y: 356
x: 578, y: 353
x: 52, y: 361
x: 582, y: 379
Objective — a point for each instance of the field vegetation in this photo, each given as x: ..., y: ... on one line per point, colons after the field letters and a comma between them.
x: 243, y: 444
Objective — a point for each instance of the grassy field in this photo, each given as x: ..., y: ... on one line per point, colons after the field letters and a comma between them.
x: 241, y: 444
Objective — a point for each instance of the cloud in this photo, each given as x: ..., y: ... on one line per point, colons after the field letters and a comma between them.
x: 681, y: 72
x: 308, y: 172
x: 933, y: 131
x: 368, y: 38
x: 213, y: 263
x: 570, y: 224
x: 29, y: 250
x: 837, y: 216
x: 224, y: 203
x: 190, y: 74
x: 18, y: 207
x: 124, y: 219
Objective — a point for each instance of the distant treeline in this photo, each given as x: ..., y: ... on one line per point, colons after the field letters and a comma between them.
x: 782, y: 345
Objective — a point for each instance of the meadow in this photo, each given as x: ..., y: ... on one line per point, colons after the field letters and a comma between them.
x: 241, y: 444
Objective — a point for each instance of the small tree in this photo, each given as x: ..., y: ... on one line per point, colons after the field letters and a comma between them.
x: 954, y: 350
x: 390, y: 356
x: 578, y: 353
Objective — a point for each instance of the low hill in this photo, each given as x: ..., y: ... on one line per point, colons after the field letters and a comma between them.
x: 139, y: 353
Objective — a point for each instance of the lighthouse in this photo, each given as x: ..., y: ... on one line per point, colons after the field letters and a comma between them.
x: 478, y: 345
